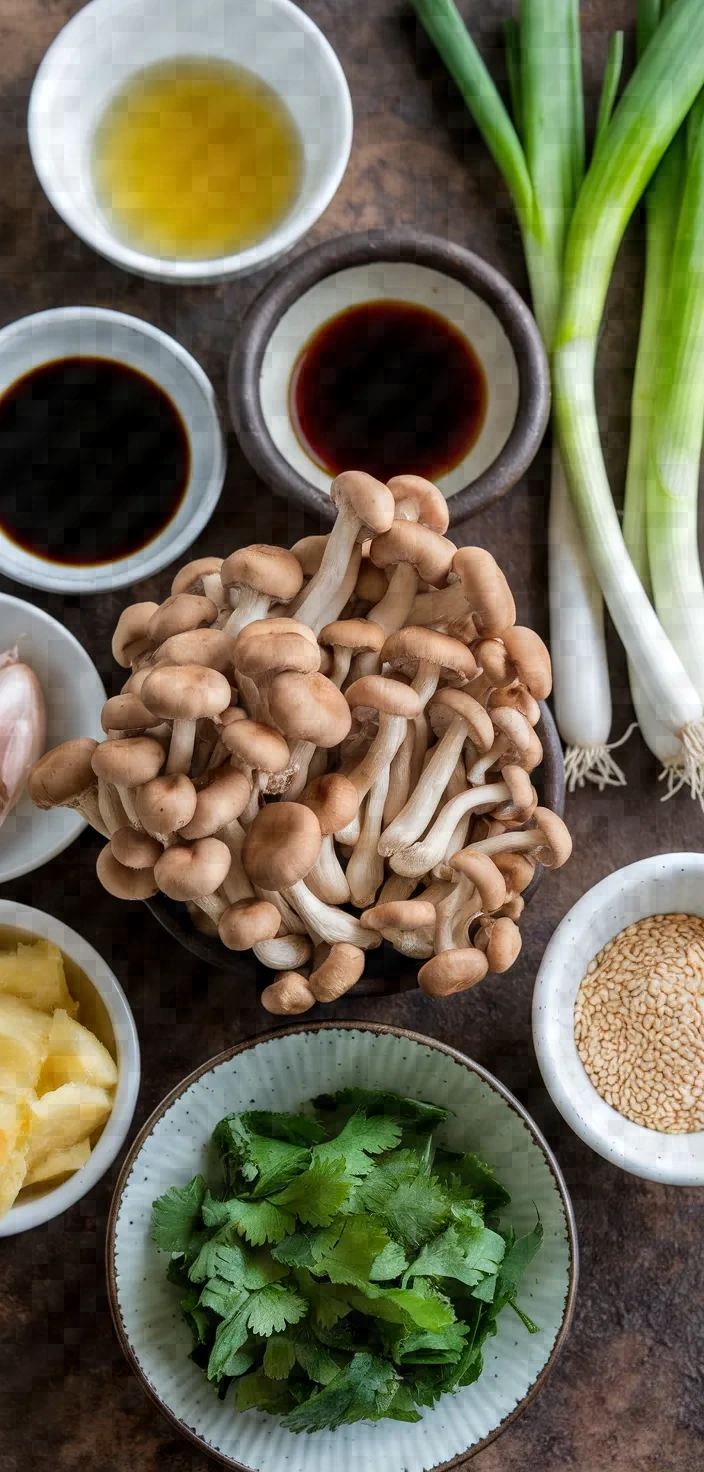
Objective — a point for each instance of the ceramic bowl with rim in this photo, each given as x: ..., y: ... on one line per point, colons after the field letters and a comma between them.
x: 385, y: 969
x: 74, y: 697
x: 279, y: 1072
x: 96, y: 53
x: 393, y: 265
x: 96, y: 332
x: 663, y: 884
x: 104, y: 1007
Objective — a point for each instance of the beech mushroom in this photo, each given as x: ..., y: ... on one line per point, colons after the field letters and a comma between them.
x: 458, y: 719
x: 130, y: 639
x: 547, y: 840
x: 123, y: 882
x: 64, y: 778
x: 372, y: 584
x: 288, y: 993
x: 128, y: 765
x: 481, y: 890
x: 263, y: 650
x: 126, y: 713
x: 517, y: 699
x: 407, y: 924
x: 452, y: 971
x: 311, y: 712
x: 477, y: 602
x: 180, y: 614
x: 500, y: 940
x: 337, y: 973
x: 424, y: 655
x: 257, y: 751
x: 414, y: 552
x: 396, y: 704
x: 254, y: 578
x: 308, y: 552
x: 365, y: 507
x: 218, y: 804
x: 365, y: 870
x: 423, y: 855
x: 284, y: 952
x: 135, y: 850
x: 526, y: 662
x: 212, y: 647
x: 201, y: 576
x: 515, y: 744
x: 333, y: 799
x: 280, y: 849
x: 165, y: 805
x: 195, y: 872
x: 247, y: 923
x: 184, y: 694
x: 347, y: 638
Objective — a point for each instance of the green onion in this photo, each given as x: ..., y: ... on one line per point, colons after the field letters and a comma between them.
x: 663, y: 88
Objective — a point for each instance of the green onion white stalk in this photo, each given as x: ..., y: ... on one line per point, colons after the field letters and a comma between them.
x: 661, y: 92
x: 542, y: 161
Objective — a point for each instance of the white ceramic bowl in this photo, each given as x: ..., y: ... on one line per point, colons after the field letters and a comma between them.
x: 96, y: 332
x: 665, y: 883
x: 280, y: 1072
x: 33, y: 1213
x: 74, y: 697
x: 108, y: 40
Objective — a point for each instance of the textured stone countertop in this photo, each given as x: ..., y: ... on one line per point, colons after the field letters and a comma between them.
x: 624, y: 1394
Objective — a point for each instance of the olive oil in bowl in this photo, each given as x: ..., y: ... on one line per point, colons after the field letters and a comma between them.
x: 196, y: 159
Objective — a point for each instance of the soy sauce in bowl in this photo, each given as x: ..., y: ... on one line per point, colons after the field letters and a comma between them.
x: 94, y: 461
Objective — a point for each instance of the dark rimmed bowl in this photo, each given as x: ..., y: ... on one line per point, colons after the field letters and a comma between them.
x: 279, y: 1071
x: 395, y: 247
x: 385, y: 970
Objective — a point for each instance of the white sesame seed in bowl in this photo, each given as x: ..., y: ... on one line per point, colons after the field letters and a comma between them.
x: 618, y: 1018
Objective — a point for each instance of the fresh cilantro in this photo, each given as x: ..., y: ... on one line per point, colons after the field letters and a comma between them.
x: 402, y: 1407
x: 267, y: 1164
x: 299, y: 1345
x: 469, y: 1170
x: 350, y: 1261
x: 316, y: 1196
x: 390, y: 1263
x: 361, y: 1138
x: 258, y: 1221
x: 256, y: 1392
x: 305, y: 1247
x: 362, y: 1391
x: 298, y: 1129
x: 177, y: 1216
x: 465, y: 1253
x: 403, y: 1305
x: 406, y: 1198
x: 328, y: 1303
x: 377, y: 1101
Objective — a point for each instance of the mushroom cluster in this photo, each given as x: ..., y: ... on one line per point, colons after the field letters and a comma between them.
x: 322, y: 748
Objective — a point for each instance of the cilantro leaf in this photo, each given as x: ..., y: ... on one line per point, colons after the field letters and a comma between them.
x: 298, y: 1129
x: 350, y: 1261
x: 305, y: 1247
x: 519, y: 1256
x: 390, y: 1263
x: 176, y: 1216
x: 361, y: 1138
x: 444, y: 1346
x: 470, y: 1170
x: 230, y: 1336
x: 195, y: 1316
x: 468, y: 1254
x: 362, y: 1391
x: 258, y: 1221
x: 378, y: 1101
x: 316, y: 1196
x: 279, y: 1357
x: 220, y: 1296
x: 402, y: 1407
x: 269, y: 1163
x: 256, y: 1392
x: 270, y: 1309
x: 299, y: 1345
x: 328, y: 1303
x: 399, y: 1305
x: 405, y: 1197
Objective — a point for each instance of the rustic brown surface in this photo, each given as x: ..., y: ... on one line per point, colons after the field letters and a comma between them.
x: 625, y: 1393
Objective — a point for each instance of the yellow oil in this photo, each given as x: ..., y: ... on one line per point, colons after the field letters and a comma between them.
x: 196, y: 158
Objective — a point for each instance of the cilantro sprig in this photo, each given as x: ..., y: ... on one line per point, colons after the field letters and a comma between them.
x: 343, y: 1267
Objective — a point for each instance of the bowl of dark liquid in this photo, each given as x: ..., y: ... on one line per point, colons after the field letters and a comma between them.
x: 390, y: 352
x: 112, y: 456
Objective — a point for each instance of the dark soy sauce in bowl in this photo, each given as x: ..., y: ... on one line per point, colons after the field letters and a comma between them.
x: 94, y: 461
x: 387, y: 387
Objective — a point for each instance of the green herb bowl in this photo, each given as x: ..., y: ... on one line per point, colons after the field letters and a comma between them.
x: 280, y: 1071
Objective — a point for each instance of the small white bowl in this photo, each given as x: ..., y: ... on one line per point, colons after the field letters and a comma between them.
x: 35, y: 923
x: 96, y: 332
x: 663, y: 884
x: 280, y: 1072
x: 74, y: 696
x: 108, y: 40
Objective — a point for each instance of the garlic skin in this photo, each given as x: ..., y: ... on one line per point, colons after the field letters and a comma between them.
x: 22, y: 728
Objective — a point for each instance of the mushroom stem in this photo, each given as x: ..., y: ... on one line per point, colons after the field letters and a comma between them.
x: 328, y: 922
x: 290, y: 920
x: 327, y: 880
x: 365, y: 871
x: 421, y: 805
x: 400, y: 776
x: 183, y: 737
x: 110, y: 807
x: 325, y: 596
x: 285, y: 952
x: 422, y: 856
x: 250, y: 606
x: 381, y: 753
x: 236, y: 884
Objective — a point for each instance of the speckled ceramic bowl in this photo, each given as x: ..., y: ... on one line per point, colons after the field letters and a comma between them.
x: 279, y: 1072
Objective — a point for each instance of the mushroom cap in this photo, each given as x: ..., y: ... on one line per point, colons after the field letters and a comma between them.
x: 333, y: 799
x: 282, y: 845
x: 63, y: 773
x: 412, y: 646
x: 399, y: 915
x: 481, y: 872
x: 186, y: 692
x: 272, y: 571
x: 289, y: 993
x: 359, y: 495
x: 500, y: 941
x: 523, y: 800
x: 251, y: 744
x: 135, y: 850
x: 184, y: 872
x: 179, y: 614
x: 337, y: 973
x: 166, y: 804
x: 247, y: 923
x: 428, y: 501
x: 358, y: 634
x: 556, y: 844
x: 189, y: 579
x: 452, y: 971
x: 128, y: 763
x: 131, y: 631
x: 492, y: 658
x: 517, y: 869
x: 530, y: 660
x: 124, y: 883
x: 268, y: 651
x: 413, y: 543
x: 447, y: 705
x: 309, y: 553
x: 218, y: 804
x: 266, y: 626
x: 126, y: 712
x: 518, y: 698
x: 212, y: 647
x: 514, y: 728
x: 389, y: 697
x: 372, y: 584
x: 489, y: 598
x: 309, y: 708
